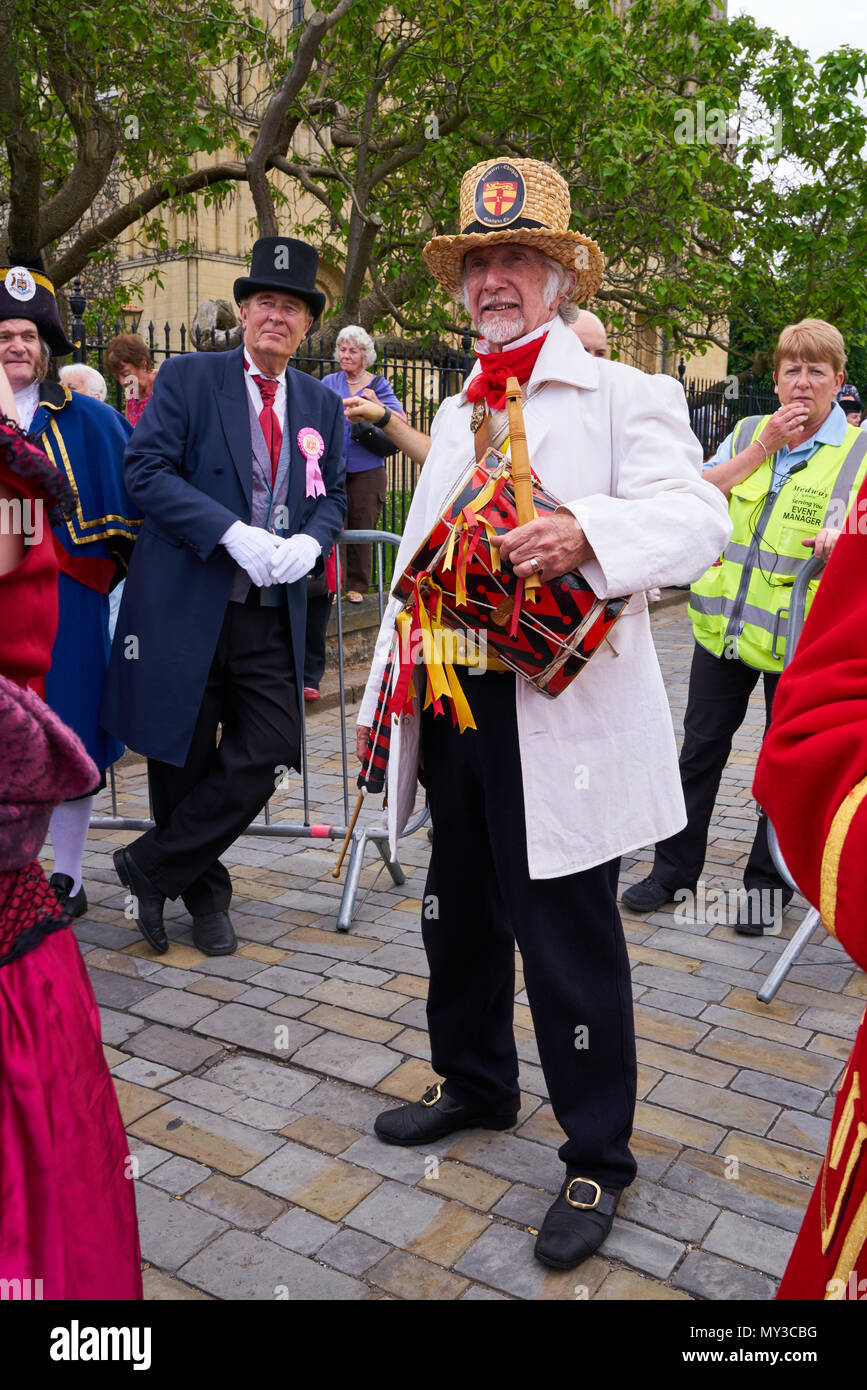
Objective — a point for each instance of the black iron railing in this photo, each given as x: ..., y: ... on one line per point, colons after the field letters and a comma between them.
x: 420, y: 380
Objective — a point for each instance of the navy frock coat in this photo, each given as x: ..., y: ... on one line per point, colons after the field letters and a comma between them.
x: 189, y: 466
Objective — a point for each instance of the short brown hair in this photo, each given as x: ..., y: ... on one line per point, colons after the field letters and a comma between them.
x: 127, y: 347
x: 814, y: 340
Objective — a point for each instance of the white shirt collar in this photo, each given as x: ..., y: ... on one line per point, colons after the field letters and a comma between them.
x: 253, y: 370
x: 27, y: 403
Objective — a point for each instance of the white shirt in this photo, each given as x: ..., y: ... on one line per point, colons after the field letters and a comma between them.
x: 27, y: 403
x: 279, y: 405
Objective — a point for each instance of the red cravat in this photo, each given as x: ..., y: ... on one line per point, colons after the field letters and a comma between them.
x: 268, y: 420
x: 490, y: 385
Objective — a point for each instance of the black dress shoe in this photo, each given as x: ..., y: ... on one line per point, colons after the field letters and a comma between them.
x: 149, y: 901
x: 647, y: 895
x: 576, y: 1224
x: 214, y: 935
x: 73, y: 904
x: 433, y: 1117
x: 761, y: 910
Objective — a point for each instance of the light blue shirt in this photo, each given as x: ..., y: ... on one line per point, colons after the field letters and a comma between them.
x: 831, y: 431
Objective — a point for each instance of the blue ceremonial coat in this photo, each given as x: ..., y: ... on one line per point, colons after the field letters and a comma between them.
x: 85, y: 440
x: 189, y: 466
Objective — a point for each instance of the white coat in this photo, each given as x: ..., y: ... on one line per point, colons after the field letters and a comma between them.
x: 599, y: 762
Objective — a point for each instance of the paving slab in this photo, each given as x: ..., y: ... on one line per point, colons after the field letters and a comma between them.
x: 258, y: 1031
x: 708, y: 1276
x: 351, y: 1059
x: 752, y: 1243
x: 214, y: 1140
x: 235, y: 1202
x: 395, y: 1213
x: 172, y: 1232
x: 300, y: 1230
x: 173, y: 1048
x: 353, y: 1251
x: 268, y: 1081
x: 240, y: 1266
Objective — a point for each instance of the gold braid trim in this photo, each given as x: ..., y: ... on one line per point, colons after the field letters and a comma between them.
x: 856, y: 1236
x: 833, y: 851
x: 126, y: 528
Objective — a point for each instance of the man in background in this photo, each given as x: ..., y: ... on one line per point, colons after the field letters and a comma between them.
x: 590, y: 332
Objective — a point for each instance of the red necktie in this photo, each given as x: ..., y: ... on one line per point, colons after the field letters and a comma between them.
x: 268, y: 420
x: 490, y: 385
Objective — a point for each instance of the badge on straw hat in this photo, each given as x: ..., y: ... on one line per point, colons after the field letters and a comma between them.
x: 519, y: 200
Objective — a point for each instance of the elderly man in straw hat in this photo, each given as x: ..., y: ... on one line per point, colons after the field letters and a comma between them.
x: 532, y: 810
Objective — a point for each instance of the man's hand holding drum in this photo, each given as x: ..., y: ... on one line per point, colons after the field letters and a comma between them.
x: 549, y: 546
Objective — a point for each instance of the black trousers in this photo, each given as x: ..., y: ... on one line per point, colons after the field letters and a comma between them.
x: 719, y: 693
x: 480, y: 899
x: 200, y: 809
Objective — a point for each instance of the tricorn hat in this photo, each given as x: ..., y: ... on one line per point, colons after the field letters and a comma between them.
x: 516, y: 200
x: 27, y: 293
x: 282, y: 263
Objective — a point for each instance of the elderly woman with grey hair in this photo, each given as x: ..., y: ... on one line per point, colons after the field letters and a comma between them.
x: 365, y: 471
x: 79, y: 377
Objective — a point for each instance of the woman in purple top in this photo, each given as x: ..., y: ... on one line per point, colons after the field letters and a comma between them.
x: 365, y: 471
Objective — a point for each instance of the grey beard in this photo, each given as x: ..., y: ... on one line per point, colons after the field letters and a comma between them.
x: 500, y: 331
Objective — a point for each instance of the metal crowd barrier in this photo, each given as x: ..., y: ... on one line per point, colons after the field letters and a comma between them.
x: 812, y: 919
x: 290, y: 830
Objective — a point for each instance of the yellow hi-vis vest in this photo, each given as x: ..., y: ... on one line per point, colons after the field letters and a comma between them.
x: 740, y: 606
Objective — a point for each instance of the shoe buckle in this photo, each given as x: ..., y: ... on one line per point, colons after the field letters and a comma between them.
x: 435, y: 1094
x: 583, y: 1206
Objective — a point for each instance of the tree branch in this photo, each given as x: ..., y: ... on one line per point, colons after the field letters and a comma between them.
x: 271, y: 138
x: 74, y: 258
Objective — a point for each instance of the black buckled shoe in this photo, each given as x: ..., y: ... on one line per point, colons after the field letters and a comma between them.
x: 214, y: 934
x: 73, y: 904
x: 577, y: 1223
x: 648, y: 895
x: 149, y: 901
x: 433, y: 1117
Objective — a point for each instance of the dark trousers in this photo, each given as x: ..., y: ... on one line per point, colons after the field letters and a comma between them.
x: 480, y: 900
x: 200, y: 809
x: 719, y: 693
x: 365, y: 498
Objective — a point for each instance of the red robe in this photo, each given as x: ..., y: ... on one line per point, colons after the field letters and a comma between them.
x: 811, y: 778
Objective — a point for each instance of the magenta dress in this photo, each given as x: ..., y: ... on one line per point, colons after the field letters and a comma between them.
x: 67, y: 1203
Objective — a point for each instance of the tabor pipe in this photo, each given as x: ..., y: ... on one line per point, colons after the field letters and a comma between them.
x: 335, y: 873
x: 521, y: 479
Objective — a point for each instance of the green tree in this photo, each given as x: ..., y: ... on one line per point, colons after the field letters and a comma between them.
x: 711, y: 160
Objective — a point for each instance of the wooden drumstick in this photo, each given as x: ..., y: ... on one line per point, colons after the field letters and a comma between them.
x: 521, y: 479
x: 335, y: 873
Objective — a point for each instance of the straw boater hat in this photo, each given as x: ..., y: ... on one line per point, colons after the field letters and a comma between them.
x: 516, y: 200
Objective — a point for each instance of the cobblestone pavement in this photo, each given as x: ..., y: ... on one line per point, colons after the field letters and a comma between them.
x: 249, y: 1084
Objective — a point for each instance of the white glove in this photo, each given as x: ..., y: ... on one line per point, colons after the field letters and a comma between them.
x: 294, y: 557
x: 251, y: 547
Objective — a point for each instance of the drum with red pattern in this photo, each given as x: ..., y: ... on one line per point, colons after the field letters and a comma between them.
x: 548, y: 642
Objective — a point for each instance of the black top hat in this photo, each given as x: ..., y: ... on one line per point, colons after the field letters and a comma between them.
x: 29, y: 294
x: 282, y: 263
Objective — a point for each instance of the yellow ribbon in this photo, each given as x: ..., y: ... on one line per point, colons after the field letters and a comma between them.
x: 442, y: 683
